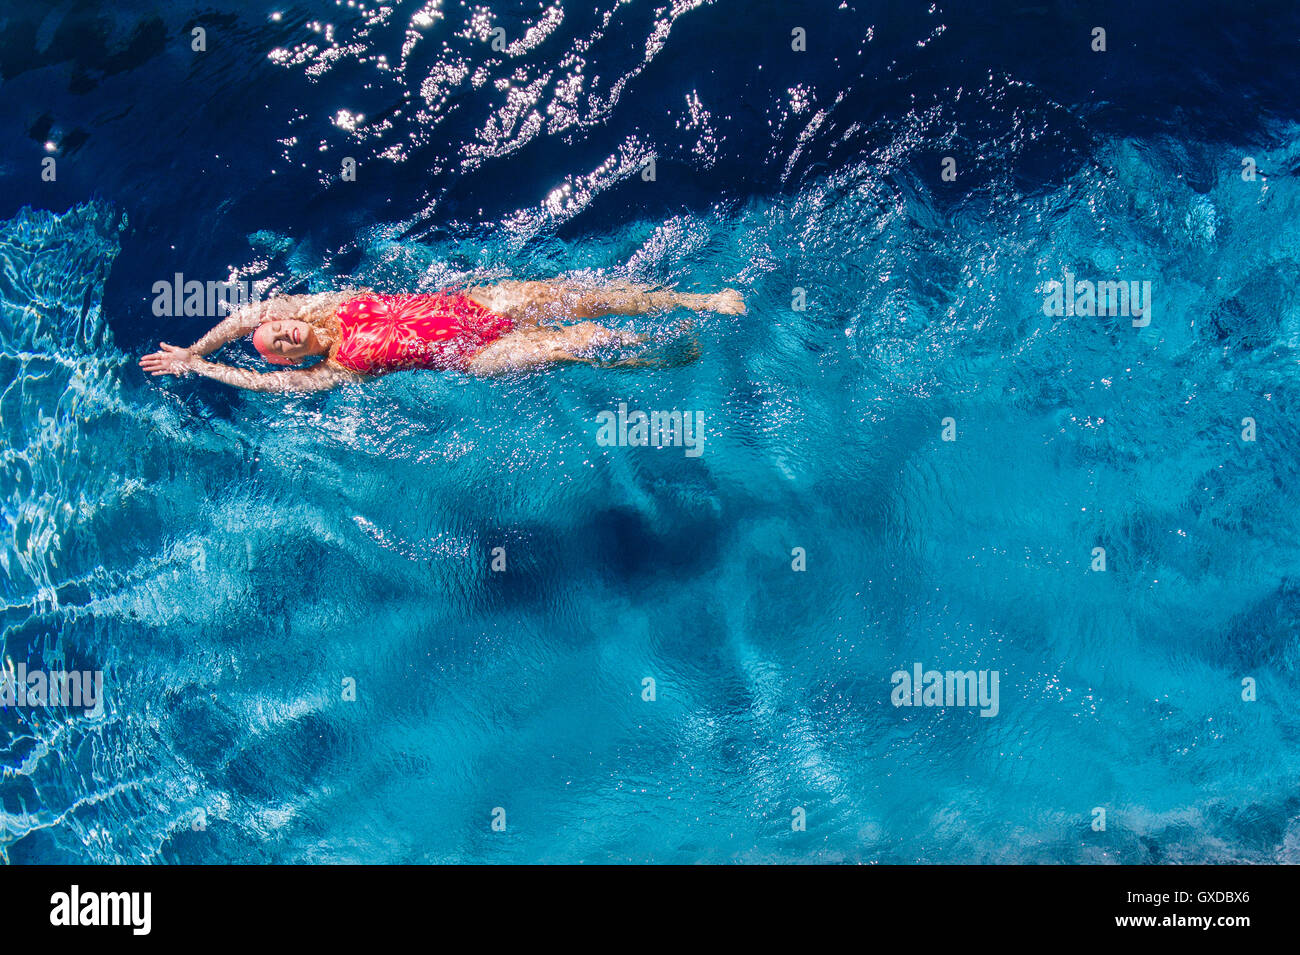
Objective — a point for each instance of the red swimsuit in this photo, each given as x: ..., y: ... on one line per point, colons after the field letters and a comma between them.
x: 383, y: 333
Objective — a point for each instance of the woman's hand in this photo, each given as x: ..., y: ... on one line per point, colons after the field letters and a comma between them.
x: 727, y: 302
x: 169, y: 360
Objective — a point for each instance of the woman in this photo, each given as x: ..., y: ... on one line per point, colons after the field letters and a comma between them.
x: 484, y: 331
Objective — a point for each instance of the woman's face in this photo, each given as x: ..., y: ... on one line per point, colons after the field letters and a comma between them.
x: 287, y: 338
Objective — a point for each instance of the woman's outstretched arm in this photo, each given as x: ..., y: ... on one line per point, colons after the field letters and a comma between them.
x: 317, y: 378
x: 245, y: 319
x: 171, y: 360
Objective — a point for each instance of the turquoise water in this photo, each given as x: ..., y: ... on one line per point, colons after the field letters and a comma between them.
x: 229, y: 573
x: 230, y: 560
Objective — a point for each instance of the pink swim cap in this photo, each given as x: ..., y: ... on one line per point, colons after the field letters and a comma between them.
x: 264, y: 349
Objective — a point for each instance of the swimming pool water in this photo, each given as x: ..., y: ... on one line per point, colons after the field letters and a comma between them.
x: 231, y: 561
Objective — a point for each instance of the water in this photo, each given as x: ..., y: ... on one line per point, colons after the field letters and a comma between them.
x: 229, y: 560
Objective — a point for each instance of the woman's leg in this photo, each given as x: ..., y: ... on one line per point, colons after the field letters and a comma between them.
x: 530, y: 348
x: 531, y: 302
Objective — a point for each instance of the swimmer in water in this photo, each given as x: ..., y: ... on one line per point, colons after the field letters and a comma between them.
x: 486, y: 330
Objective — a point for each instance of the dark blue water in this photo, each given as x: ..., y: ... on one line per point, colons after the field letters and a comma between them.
x: 228, y: 560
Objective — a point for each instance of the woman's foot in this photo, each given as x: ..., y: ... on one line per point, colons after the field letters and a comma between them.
x: 674, y: 355
x: 726, y: 302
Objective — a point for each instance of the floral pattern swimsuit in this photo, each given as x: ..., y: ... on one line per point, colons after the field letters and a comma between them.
x: 383, y: 333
